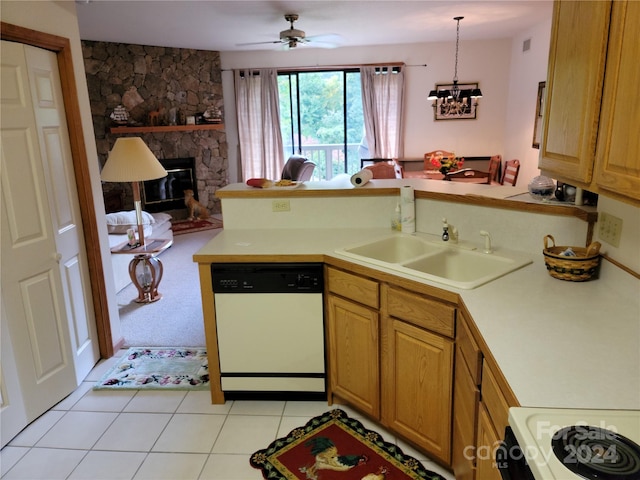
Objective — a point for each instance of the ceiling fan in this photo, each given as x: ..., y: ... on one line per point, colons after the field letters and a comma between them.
x: 291, y: 37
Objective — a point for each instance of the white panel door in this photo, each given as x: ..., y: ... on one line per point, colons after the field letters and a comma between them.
x: 46, y: 95
x: 34, y: 302
x: 13, y: 416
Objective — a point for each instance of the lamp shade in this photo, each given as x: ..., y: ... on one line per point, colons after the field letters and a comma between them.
x: 433, y: 94
x: 130, y: 160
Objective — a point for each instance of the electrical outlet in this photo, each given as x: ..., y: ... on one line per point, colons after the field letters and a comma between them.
x: 609, y: 228
x: 281, y: 206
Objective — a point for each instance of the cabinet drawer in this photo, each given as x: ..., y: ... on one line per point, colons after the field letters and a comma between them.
x: 494, y: 400
x: 353, y: 287
x: 469, y: 350
x: 420, y: 311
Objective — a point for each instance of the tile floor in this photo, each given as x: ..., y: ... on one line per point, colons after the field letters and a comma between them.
x: 113, y: 435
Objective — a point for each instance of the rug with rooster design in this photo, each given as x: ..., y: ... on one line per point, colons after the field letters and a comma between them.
x: 333, y: 446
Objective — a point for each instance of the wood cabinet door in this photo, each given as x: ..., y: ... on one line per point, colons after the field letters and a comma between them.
x: 574, y: 89
x: 617, y: 159
x: 466, y: 397
x: 488, y: 442
x: 417, y: 386
x: 354, y: 364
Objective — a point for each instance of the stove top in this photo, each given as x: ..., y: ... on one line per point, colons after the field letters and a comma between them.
x: 567, y: 444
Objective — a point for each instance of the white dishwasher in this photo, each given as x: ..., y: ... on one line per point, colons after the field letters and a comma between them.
x: 270, y: 327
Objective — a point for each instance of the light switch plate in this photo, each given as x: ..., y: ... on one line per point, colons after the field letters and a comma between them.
x: 609, y: 228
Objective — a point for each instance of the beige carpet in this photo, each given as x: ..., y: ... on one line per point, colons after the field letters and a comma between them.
x: 176, y: 319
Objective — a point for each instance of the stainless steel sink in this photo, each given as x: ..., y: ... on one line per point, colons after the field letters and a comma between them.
x: 456, y: 266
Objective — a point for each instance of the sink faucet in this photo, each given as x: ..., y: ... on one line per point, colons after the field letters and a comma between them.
x: 449, y: 232
x: 487, y: 241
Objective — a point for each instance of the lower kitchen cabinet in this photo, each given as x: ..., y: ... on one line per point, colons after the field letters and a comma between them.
x: 353, y: 354
x: 488, y: 441
x: 417, y: 374
x: 466, y: 398
x: 493, y: 418
x: 353, y: 343
x: 417, y: 386
x: 392, y: 352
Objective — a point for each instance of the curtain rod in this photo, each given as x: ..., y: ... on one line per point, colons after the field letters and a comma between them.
x: 325, y: 67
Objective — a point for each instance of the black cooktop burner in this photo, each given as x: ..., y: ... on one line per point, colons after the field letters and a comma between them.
x: 597, y: 453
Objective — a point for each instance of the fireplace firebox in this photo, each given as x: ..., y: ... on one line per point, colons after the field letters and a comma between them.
x: 168, y: 193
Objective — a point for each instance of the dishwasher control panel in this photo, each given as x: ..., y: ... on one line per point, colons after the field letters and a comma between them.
x: 267, y: 277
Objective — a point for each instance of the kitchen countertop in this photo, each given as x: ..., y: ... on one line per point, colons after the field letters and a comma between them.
x: 559, y: 344
x: 341, y: 185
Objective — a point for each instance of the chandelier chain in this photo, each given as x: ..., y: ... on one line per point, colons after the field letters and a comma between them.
x: 455, y: 72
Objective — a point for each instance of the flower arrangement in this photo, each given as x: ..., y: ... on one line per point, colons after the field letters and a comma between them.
x: 445, y: 163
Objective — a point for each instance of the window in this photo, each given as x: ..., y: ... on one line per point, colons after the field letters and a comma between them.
x: 321, y: 118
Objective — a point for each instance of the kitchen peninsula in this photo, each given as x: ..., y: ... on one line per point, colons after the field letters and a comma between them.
x: 526, y: 338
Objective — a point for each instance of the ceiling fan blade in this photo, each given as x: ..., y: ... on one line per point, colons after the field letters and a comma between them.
x: 330, y: 40
x: 257, y: 43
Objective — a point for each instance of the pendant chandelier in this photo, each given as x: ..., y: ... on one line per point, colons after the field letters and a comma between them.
x: 455, y: 101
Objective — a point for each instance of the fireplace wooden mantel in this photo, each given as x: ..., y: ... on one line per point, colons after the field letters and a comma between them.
x: 167, y: 128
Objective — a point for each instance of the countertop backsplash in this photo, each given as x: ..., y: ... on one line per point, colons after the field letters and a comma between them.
x: 628, y: 251
x: 515, y: 230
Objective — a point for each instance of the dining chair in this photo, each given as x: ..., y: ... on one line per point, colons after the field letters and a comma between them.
x: 468, y: 175
x: 495, y: 162
x: 511, y: 169
x: 385, y: 170
x: 370, y: 161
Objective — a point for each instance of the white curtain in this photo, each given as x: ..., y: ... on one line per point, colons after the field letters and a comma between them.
x: 382, y: 104
x: 261, y: 151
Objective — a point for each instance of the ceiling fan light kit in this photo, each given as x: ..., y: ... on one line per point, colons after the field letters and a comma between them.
x: 455, y: 100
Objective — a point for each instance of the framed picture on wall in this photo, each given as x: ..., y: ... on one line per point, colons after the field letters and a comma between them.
x: 447, y: 108
x: 537, y: 126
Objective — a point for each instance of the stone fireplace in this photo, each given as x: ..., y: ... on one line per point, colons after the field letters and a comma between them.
x: 160, y: 80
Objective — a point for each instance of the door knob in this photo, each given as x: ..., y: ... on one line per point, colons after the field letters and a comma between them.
x: 57, y: 257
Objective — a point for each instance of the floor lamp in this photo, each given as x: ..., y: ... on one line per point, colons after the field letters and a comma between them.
x: 130, y: 160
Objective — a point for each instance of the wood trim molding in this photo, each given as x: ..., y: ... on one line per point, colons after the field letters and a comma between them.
x: 167, y: 128
x: 620, y: 265
x: 61, y: 46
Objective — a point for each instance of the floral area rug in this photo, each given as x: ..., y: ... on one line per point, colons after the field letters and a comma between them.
x: 333, y: 446
x: 189, y: 226
x: 159, y: 369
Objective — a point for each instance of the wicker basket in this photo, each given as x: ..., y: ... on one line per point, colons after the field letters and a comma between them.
x: 574, y: 269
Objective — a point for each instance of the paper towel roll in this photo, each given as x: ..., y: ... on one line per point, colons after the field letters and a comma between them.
x: 407, y: 210
x: 362, y: 177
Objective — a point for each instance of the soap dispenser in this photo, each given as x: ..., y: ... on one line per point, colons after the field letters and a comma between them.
x: 396, y: 219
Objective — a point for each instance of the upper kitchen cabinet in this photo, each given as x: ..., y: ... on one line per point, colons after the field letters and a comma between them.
x: 593, y: 43
x: 618, y: 152
x: 577, y: 58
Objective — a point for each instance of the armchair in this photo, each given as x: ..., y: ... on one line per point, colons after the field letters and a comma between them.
x: 298, y: 169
